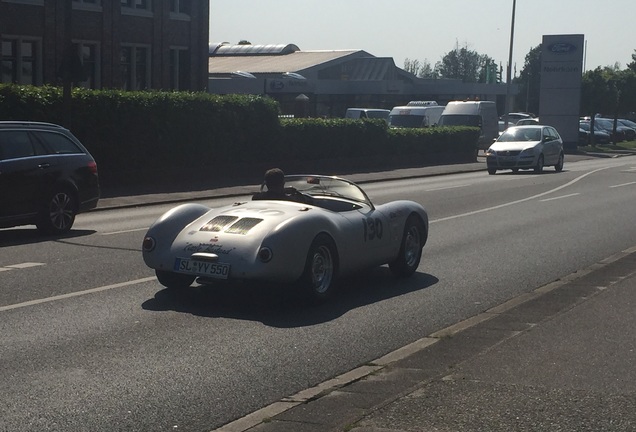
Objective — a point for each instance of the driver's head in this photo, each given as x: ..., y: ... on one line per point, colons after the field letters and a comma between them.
x: 275, y: 179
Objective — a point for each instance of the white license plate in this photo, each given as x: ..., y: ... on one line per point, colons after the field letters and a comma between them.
x: 202, y: 268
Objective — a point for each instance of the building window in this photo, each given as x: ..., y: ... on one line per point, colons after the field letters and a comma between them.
x: 135, y: 67
x: 136, y: 4
x: 180, y: 69
x: 180, y: 6
x: 88, y: 53
x: 90, y: 5
x: 20, y: 61
x: 26, y: 2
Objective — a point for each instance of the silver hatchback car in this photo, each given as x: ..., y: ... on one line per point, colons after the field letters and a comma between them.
x: 526, y: 147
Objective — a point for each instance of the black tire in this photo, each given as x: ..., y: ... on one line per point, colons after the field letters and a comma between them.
x: 539, y: 168
x: 492, y: 171
x: 173, y: 280
x: 318, y: 281
x: 559, y: 166
x: 411, y: 248
x: 58, y: 215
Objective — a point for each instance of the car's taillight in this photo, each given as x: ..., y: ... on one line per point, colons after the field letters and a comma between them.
x: 148, y: 245
x: 92, y: 165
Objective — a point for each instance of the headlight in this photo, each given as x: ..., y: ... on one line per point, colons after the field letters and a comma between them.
x: 527, y: 152
x: 491, y: 152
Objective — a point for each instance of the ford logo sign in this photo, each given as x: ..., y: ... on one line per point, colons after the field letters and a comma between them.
x: 562, y: 48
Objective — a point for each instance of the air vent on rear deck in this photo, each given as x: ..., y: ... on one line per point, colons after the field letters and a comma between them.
x: 243, y: 226
x: 218, y: 223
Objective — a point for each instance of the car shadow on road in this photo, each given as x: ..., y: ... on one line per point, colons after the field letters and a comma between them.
x: 25, y: 236
x: 281, y: 306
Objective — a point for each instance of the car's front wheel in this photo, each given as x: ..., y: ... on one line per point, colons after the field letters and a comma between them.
x: 538, y: 169
x: 174, y: 280
x: 492, y: 171
x: 318, y: 280
x: 411, y: 248
x: 58, y: 216
x: 559, y: 166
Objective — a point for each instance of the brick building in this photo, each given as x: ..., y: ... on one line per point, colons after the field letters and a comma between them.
x: 122, y: 44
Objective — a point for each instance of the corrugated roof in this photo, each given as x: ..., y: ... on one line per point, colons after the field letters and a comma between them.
x: 293, y: 62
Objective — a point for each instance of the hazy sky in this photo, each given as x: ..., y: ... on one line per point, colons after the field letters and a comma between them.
x: 428, y: 29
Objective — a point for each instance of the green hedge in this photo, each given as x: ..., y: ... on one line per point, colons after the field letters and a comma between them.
x: 128, y: 131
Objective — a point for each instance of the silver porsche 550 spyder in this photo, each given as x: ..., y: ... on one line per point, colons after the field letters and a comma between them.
x: 328, y: 228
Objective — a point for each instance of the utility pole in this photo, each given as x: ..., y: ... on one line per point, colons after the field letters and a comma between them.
x: 508, y: 69
x: 67, y: 63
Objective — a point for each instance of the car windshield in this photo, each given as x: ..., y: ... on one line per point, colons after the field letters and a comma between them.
x: 460, y: 120
x: 520, y: 134
x: 327, y: 186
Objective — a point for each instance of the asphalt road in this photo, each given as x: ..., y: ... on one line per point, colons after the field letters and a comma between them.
x: 89, y: 341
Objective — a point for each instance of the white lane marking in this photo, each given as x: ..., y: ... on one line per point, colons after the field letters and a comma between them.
x: 560, y: 197
x: 472, y: 213
x: 75, y: 294
x: 124, y: 231
x: 447, y: 187
x: 624, y: 184
x: 24, y: 265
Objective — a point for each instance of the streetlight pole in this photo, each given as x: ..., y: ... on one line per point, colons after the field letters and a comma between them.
x: 509, y: 68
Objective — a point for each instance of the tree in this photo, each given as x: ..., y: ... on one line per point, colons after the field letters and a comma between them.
x: 529, y: 81
x: 632, y: 65
x: 420, y: 69
x: 464, y: 64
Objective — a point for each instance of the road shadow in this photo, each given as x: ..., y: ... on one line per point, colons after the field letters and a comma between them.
x: 281, y: 306
x: 26, y: 236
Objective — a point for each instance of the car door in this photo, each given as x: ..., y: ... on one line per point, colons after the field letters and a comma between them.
x: 20, y: 174
x: 371, y: 236
x: 548, y: 146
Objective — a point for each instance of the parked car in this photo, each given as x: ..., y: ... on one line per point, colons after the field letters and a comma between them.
x: 526, y: 147
x: 514, y: 117
x: 528, y: 121
x: 607, y: 125
x: 600, y: 136
x: 336, y: 231
x: 481, y: 114
x: 367, y: 113
x: 47, y: 176
x: 415, y: 116
x: 631, y: 125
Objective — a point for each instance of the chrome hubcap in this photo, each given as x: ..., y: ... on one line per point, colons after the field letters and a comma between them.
x: 321, y: 269
x: 412, y: 246
x: 61, y: 211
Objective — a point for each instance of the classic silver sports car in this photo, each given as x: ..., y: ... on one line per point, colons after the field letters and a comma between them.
x: 327, y: 228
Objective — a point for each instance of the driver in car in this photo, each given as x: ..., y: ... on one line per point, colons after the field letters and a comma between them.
x: 275, y: 183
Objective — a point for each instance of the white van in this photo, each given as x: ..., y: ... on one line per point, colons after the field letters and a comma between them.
x: 371, y: 113
x: 415, y: 116
x: 482, y: 114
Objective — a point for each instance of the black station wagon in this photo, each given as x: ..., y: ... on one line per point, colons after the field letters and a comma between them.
x: 46, y: 176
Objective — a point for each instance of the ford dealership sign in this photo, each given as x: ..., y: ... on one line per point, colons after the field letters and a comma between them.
x: 562, y: 48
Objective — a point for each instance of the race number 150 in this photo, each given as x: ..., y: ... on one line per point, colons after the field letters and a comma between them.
x: 372, y: 229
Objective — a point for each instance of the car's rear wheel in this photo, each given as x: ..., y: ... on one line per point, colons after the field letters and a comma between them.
x: 58, y: 215
x: 492, y: 171
x: 411, y: 248
x: 174, y: 280
x: 318, y: 281
x: 538, y: 169
x: 559, y: 166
